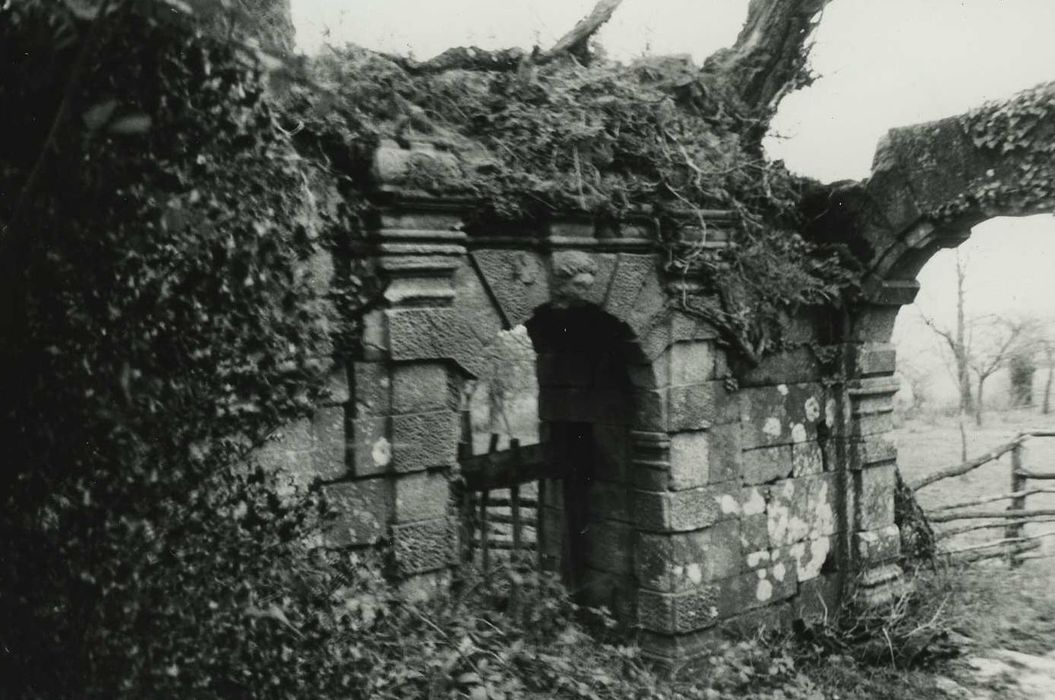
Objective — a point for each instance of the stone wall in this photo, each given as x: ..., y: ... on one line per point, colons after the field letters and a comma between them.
x: 712, y: 496
x: 704, y: 492
x: 698, y: 491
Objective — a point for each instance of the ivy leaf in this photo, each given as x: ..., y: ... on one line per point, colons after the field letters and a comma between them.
x: 131, y: 125
x: 98, y: 115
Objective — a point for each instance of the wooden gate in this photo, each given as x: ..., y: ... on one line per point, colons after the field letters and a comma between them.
x: 500, y: 501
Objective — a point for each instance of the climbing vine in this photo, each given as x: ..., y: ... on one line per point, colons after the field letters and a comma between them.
x: 656, y: 138
x: 1019, y: 137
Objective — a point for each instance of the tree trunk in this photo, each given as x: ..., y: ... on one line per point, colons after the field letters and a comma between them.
x: 979, y: 405
x: 960, y: 352
x: 1047, y: 388
x: 768, y: 59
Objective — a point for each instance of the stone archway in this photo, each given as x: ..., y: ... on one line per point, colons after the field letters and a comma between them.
x: 930, y: 184
x: 723, y: 495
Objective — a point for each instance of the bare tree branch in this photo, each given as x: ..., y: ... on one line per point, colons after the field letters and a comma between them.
x: 574, y: 42
x: 768, y: 59
x: 476, y: 59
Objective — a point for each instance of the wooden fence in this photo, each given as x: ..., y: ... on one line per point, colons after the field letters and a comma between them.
x: 499, y: 506
x: 1015, y: 545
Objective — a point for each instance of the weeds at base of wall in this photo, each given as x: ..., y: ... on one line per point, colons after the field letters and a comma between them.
x: 911, y: 630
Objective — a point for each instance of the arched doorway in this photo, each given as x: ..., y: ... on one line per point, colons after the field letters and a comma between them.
x: 586, y: 412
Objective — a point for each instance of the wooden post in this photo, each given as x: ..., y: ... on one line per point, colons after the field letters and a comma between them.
x: 1018, y: 483
x: 485, y: 539
x: 514, y: 505
x: 540, y: 504
x: 464, y: 496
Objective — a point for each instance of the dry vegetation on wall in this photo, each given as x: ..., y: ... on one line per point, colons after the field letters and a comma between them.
x: 531, y: 136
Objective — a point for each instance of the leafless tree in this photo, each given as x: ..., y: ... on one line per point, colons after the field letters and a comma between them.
x: 991, y: 351
x: 957, y: 339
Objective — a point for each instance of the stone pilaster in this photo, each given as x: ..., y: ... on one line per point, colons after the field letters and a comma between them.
x: 402, y: 427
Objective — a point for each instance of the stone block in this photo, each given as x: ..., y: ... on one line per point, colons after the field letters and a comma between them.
x: 338, y: 391
x: 873, y: 323
x: 682, y: 511
x: 874, y: 450
x: 371, y: 385
x: 609, y: 546
x: 763, y: 586
x: 807, y: 557
x: 421, y: 496
x: 373, y: 338
x: 766, y: 464
x: 427, y: 545
x: 650, y: 306
x: 754, y: 623
x: 878, y: 546
x: 754, y: 536
x: 361, y: 512
x: 784, y: 414
x: 725, y: 453
x: 434, y: 334
x: 875, y: 359
x: 631, y: 272
x: 476, y: 306
x: 875, y: 497
x: 689, y: 460
x: 685, y: 326
x: 794, y: 366
x: 866, y: 426
x: 801, y: 509
x: 612, y: 591
x: 807, y: 458
x: 703, y: 606
x: 690, y: 611
x: 683, y: 561
x: 606, y: 264
x: 671, y: 650
x: 610, y: 500
x: 370, y: 448
x: 648, y: 375
x: 518, y: 280
x: 699, y: 406
x: 330, y: 459
x: 691, y: 362
x: 818, y: 598
x: 420, y: 386
x: 650, y: 409
x: 880, y: 585
x: 424, y: 440
x: 873, y: 399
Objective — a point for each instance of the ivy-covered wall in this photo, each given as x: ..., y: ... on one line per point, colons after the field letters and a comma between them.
x: 727, y: 491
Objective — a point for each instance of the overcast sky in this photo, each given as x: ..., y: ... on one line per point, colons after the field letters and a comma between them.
x: 883, y: 63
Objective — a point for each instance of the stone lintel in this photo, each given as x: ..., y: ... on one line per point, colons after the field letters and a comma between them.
x: 890, y: 292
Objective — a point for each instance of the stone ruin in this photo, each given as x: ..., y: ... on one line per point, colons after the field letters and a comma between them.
x: 718, y: 492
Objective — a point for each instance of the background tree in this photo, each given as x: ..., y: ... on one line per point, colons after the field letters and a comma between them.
x: 992, y: 346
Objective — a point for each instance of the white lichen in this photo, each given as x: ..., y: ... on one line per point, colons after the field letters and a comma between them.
x: 812, y: 408
x: 772, y: 427
x: 382, y: 452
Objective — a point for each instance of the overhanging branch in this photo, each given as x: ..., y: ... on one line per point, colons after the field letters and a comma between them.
x: 476, y: 59
x: 768, y: 59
